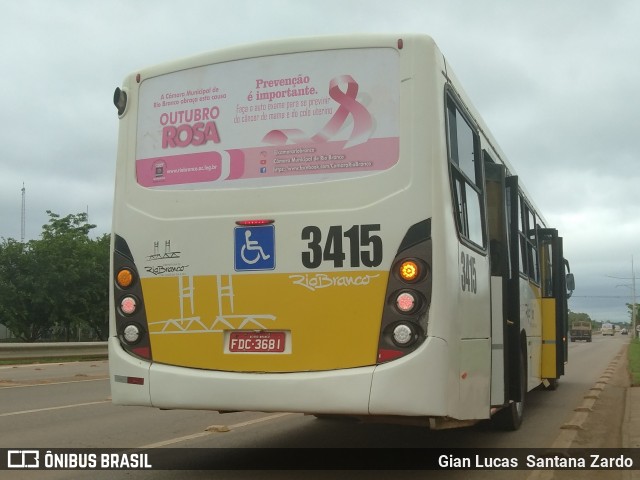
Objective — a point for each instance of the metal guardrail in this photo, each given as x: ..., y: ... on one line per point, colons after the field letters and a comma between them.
x: 22, y: 351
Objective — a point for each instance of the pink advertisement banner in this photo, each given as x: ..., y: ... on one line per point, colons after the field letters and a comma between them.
x: 216, y: 125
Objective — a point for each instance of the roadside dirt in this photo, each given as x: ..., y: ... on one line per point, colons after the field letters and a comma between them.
x: 603, y: 427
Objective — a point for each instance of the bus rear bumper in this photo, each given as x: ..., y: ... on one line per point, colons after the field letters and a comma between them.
x: 409, y: 386
x: 343, y: 391
x: 169, y: 387
x: 415, y: 385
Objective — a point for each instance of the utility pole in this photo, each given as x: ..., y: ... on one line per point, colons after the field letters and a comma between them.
x: 634, y: 332
x: 633, y: 305
x: 23, y: 215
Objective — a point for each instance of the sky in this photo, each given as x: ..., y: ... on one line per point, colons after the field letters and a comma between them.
x: 556, y: 81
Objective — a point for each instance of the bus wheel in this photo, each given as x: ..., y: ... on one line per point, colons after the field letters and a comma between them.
x: 510, y: 417
x: 334, y: 418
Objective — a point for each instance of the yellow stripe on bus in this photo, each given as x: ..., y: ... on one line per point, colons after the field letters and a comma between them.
x: 332, y: 319
x: 549, y: 339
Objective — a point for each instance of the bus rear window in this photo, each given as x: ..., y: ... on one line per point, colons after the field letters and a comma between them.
x: 280, y: 120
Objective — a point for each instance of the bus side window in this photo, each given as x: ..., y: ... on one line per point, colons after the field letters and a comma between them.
x: 547, y: 270
x: 523, y: 241
x: 530, y: 263
x: 466, y: 175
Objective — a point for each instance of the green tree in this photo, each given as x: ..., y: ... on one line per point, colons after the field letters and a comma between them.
x: 574, y: 317
x: 59, y: 282
x: 24, y: 305
x: 629, y: 307
x: 94, y: 277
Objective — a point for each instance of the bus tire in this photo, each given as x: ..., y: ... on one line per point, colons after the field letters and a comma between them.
x: 510, y: 417
x: 334, y: 418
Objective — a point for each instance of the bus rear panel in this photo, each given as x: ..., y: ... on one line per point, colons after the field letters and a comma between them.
x: 293, y: 231
x: 269, y: 218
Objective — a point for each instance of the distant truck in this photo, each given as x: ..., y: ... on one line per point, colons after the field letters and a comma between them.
x: 608, y: 329
x: 581, y: 330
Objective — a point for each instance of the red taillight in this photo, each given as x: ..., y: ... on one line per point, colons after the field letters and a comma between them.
x: 405, y: 315
x: 128, y: 302
x: 128, y: 305
x: 406, y: 302
x: 144, y: 352
x: 254, y: 223
x: 385, y: 355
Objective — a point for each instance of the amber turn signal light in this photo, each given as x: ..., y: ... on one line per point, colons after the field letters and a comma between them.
x: 124, y: 278
x: 409, y: 271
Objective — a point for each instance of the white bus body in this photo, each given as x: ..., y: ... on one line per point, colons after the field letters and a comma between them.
x: 266, y: 197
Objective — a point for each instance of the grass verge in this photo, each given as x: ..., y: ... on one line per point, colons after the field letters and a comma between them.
x: 634, y: 362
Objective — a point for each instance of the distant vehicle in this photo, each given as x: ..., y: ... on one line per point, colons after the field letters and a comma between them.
x: 581, y: 330
x: 608, y: 329
x: 624, y: 331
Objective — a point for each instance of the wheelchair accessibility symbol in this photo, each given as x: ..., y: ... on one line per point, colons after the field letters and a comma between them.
x: 255, y: 248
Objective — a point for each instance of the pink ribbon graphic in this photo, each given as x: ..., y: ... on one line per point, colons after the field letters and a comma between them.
x: 362, y: 121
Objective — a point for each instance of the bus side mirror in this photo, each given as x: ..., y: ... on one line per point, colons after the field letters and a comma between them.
x: 571, y: 284
x: 120, y: 100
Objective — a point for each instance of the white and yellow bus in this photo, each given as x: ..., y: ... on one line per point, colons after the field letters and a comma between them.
x: 326, y: 226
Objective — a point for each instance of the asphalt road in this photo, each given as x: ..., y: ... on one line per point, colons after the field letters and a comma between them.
x: 68, y: 406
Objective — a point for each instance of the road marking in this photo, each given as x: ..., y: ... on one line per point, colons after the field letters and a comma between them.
x: 54, y: 383
x: 94, y: 363
x: 258, y: 420
x: 48, y: 409
x: 176, y: 440
x: 215, y: 429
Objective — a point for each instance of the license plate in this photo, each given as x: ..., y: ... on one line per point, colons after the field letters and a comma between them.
x: 256, y: 342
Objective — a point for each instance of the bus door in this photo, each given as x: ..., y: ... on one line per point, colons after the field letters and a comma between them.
x: 557, y: 283
x: 516, y: 382
x: 502, y: 192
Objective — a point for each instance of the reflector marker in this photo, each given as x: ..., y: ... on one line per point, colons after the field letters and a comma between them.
x: 128, y: 380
